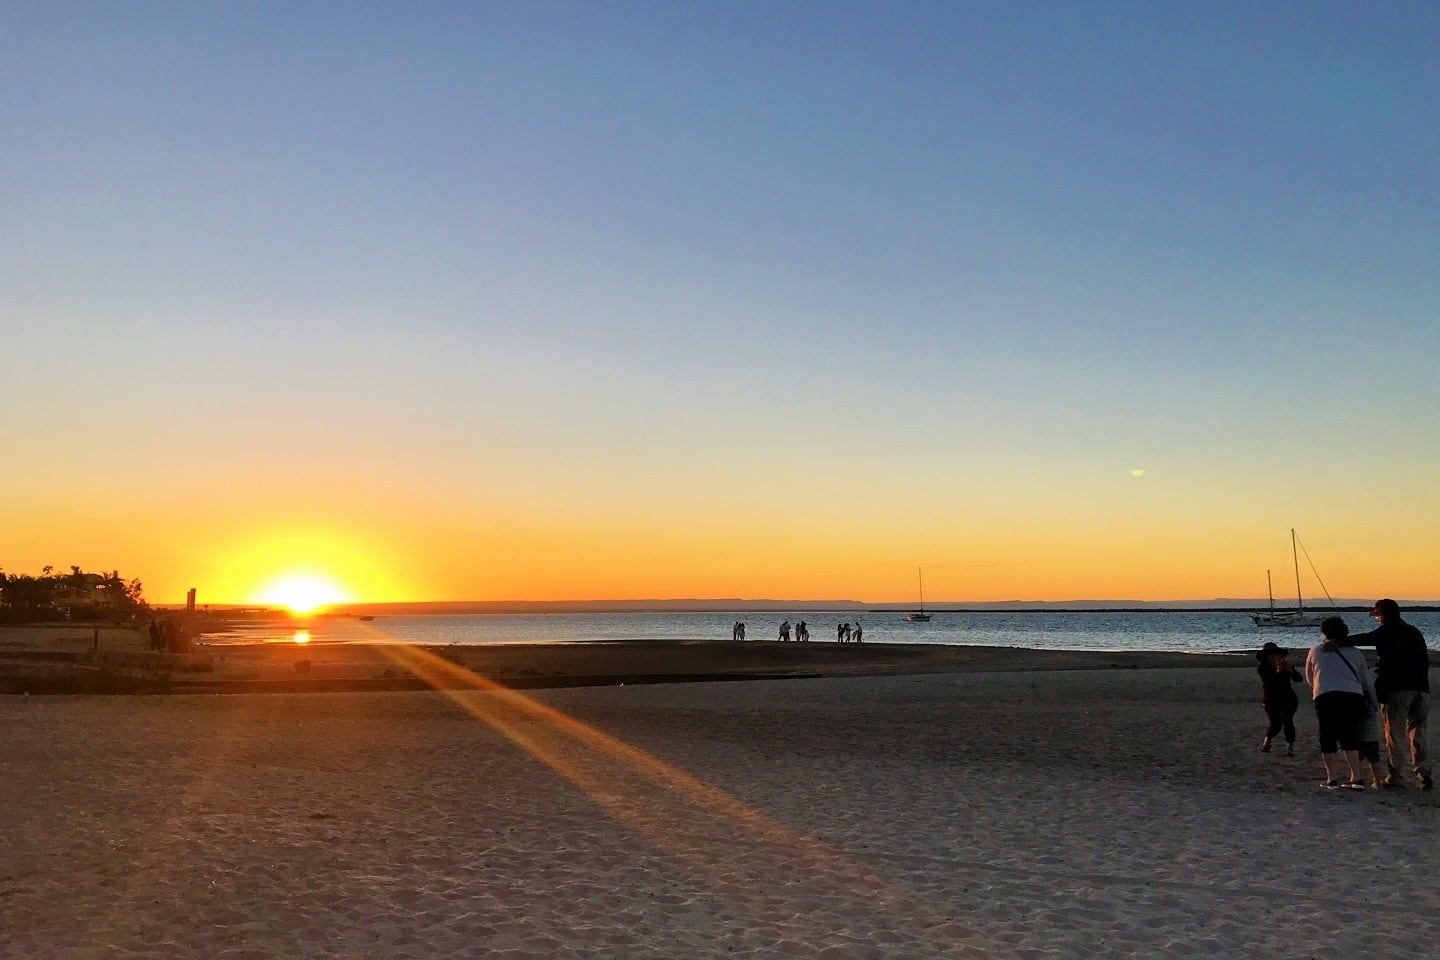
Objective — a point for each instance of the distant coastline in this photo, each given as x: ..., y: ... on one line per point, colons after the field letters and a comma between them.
x: 477, y: 607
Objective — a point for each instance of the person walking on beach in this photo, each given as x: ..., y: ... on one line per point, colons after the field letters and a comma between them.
x: 737, y: 632
x: 1402, y: 685
x: 1339, y: 682
x: 785, y: 630
x: 1277, y: 695
x: 858, y: 633
x: 802, y: 632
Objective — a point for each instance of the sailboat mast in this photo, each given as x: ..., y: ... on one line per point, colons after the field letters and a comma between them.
x: 1270, y: 592
x: 1295, y: 556
x: 920, y: 575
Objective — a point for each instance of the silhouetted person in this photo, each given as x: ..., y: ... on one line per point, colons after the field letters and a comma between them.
x: 1277, y: 694
x: 785, y: 630
x: 1402, y: 685
x: 858, y: 634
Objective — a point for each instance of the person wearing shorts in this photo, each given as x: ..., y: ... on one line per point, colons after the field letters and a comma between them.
x: 1340, y: 683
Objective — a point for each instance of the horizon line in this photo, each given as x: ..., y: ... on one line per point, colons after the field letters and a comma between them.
x: 741, y: 603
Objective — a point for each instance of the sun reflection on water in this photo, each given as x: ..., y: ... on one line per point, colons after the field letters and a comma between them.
x: 302, y: 636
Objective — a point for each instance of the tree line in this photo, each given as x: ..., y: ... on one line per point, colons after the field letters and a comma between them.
x: 77, y: 595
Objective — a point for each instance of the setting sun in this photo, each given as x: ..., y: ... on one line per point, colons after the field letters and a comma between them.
x: 302, y: 593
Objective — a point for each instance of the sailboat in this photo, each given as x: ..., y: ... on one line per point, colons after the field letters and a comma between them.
x: 919, y: 616
x: 1299, y: 617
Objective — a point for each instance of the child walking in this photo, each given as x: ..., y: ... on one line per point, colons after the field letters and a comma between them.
x: 1279, y: 698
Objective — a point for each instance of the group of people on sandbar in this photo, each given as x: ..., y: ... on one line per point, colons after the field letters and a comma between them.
x: 1352, y: 706
x: 844, y: 633
x: 802, y: 631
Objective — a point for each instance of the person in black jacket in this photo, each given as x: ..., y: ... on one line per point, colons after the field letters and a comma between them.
x: 1278, y: 696
x: 1402, y: 685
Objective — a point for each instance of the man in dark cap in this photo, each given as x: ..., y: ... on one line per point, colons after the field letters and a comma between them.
x: 1402, y: 684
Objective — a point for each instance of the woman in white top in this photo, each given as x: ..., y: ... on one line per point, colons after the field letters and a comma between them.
x: 1340, y: 685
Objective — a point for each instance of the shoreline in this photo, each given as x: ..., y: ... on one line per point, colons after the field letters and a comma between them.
x: 58, y: 660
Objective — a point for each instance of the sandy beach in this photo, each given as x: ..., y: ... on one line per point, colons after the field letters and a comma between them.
x: 1017, y: 805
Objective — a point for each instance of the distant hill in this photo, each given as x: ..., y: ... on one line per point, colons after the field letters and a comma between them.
x: 589, y: 606
x: 781, y: 606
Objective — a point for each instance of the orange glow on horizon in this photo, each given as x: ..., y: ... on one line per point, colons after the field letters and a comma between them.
x: 300, y: 566
x: 302, y: 593
x: 1167, y: 550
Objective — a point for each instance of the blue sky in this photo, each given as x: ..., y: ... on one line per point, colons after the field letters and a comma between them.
x: 597, y: 261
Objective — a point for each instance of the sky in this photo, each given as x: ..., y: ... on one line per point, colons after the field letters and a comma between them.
x: 529, y: 301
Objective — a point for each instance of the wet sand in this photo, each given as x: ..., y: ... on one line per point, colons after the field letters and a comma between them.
x: 61, y: 659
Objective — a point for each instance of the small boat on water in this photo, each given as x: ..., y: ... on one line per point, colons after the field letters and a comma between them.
x: 1299, y: 617
x: 919, y: 616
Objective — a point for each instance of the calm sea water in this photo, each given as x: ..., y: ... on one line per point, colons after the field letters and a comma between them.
x: 1151, y: 630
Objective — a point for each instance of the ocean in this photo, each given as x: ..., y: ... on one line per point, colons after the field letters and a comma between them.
x: 1190, y: 632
